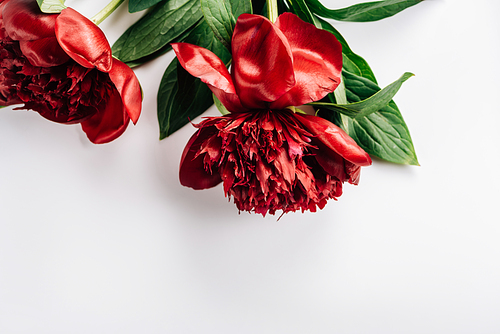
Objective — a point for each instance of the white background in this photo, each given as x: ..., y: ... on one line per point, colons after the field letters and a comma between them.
x: 104, y: 239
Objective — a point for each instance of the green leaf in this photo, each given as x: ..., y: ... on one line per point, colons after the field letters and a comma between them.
x: 384, y: 133
x: 362, y: 12
x: 162, y: 51
x: 219, y: 16
x: 51, y: 6
x: 138, y: 5
x: 370, y: 105
x: 223, y: 110
x: 351, y: 61
x: 239, y: 7
x: 162, y: 25
x: 182, y: 97
x: 300, y: 8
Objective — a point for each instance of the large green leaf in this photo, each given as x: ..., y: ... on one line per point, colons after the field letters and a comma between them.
x: 160, y: 52
x: 300, y: 8
x: 182, y: 97
x: 370, y: 105
x: 221, y: 17
x: 160, y: 26
x: 384, y: 133
x: 239, y: 7
x: 138, y: 5
x: 362, y: 12
x: 51, y: 6
x: 351, y: 61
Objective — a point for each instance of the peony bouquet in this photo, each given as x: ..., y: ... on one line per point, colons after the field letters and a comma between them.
x: 301, y: 113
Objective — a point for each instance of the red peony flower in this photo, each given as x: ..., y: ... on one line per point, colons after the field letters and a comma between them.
x: 60, y: 65
x: 268, y: 157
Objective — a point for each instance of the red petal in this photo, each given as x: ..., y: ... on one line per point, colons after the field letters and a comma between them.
x: 108, y: 123
x: 317, y: 61
x: 192, y: 171
x: 335, y: 139
x: 83, y: 41
x: 262, y: 61
x: 204, y: 64
x: 44, y: 52
x: 332, y: 163
x: 24, y: 21
x: 129, y: 88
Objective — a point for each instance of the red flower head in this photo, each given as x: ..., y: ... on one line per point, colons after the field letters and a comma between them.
x: 268, y: 157
x: 60, y: 65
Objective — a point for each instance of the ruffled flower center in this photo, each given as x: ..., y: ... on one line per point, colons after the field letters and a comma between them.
x: 266, y: 160
x: 68, y: 93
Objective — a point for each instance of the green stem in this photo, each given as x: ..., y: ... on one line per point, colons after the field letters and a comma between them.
x: 272, y: 10
x: 106, y: 11
x: 341, y: 98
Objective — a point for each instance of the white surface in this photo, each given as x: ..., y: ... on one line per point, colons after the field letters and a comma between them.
x: 103, y: 239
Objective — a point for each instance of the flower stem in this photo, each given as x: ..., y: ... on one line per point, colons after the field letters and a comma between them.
x: 341, y: 98
x: 272, y: 10
x: 106, y: 11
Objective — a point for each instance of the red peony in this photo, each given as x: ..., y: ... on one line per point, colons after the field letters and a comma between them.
x: 268, y: 157
x: 60, y: 65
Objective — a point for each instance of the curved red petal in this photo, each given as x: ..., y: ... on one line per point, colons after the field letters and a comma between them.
x: 317, y: 61
x: 83, y: 41
x: 332, y: 163
x: 262, y: 61
x: 204, y: 64
x: 108, y: 123
x: 335, y: 139
x: 128, y: 87
x: 24, y: 21
x: 230, y: 101
x: 192, y: 172
x: 44, y: 52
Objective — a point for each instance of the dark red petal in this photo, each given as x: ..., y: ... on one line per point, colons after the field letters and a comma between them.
x: 317, y: 61
x: 192, y: 172
x: 44, y: 52
x: 108, y: 123
x: 230, y: 101
x: 129, y: 88
x: 332, y: 163
x: 204, y: 64
x: 262, y: 61
x: 83, y: 41
x: 335, y: 139
x: 24, y: 21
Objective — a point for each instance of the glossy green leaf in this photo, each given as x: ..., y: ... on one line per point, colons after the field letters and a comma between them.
x: 351, y: 61
x: 370, y: 105
x: 162, y: 51
x: 362, y: 12
x: 51, y: 6
x: 384, y: 133
x: 239, y: 7
x: 162, y: 25
x: 138, y: 5
x: 301, y: 9
x: 182, y: 97
x: 219, y: 17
